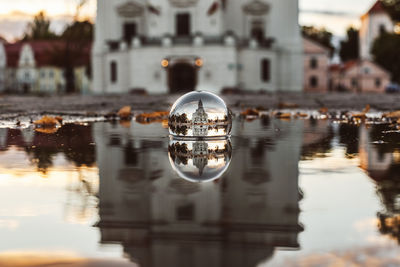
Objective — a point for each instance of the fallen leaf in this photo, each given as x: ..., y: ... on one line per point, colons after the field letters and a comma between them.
x: 250, y: 112
x: 367, y: 108
x: 323, y: 110
x: 125, y: 112
x: 280, y: 115
x: 147, y: 118
x: 289, y: 105
x: 46, y: 121
x: 394, y: 114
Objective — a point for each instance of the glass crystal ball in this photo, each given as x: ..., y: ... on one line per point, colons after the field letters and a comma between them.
x: 201, y: 160
x: 200, y: 115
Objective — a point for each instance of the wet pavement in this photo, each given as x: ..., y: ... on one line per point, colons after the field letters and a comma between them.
x: 299, y: 192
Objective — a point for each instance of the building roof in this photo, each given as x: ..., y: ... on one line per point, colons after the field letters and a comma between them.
x: 12, y: 51
x: 48, y: 53
x: 313, y: 47
x: 377, y: 7
x: 352, y: 63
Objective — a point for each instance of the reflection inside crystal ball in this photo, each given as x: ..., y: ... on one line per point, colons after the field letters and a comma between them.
x: 200, y: 160
x: 200, y: 114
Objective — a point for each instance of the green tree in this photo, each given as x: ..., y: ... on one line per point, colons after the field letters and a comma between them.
x: 349, y: 48
x: 393, y: 8
x: 319, y: 35
x: 39, y: 28
x: 386, y: 53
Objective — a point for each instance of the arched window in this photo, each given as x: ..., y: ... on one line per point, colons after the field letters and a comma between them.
x: 313, y: 63
x: 113, y: 72
x: 313, y: 81
x: 257, y: 30
x: 265, y: 70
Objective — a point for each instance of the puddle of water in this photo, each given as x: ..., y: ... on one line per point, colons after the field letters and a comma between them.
x: 279, y: 193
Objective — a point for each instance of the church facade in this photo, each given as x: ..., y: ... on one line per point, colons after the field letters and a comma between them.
x: 169, y: 46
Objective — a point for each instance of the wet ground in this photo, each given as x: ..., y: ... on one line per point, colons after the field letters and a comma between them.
x: 98, y: 105
x: 279, y: 192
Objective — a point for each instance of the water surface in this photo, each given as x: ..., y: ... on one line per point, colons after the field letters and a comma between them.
x: 278, y: 193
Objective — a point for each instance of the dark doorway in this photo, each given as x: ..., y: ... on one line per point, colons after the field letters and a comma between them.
x: 130, y: 31
x: 182, y: 77
x: 183, y: 24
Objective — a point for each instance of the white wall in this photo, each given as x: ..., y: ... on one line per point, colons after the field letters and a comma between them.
x: 370, y: 30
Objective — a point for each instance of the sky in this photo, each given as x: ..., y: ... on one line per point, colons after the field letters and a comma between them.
x: 334, y: 15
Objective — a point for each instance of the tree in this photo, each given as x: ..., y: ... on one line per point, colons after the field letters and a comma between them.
x: 386, y: 53
x: 393, y: 8
x: 39, y: 28
x: 77, y: 36
x: 319, y: 35
x: 349, y: 48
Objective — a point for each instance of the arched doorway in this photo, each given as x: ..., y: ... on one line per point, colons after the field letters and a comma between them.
x: 182, y: 77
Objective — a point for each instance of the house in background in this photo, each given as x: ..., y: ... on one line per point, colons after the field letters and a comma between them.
x: 37, y: 67
x: 361, y: 76
x: 170, y: 46
x: 316, y: 66
x: 373, y: 23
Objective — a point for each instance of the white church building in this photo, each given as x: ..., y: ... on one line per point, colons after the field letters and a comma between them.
x: 373, y: 23
x: 168, y: 46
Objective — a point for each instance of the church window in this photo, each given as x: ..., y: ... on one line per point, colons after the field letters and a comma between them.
x: 113, y: 70
x: 183, y: 24
x: 378, y: 82
x: 265, y: 70
x: 257, y: 30
x: 313, y: 63
x: 354, y: 82
x: 130, y: 31
x: 313, y: 81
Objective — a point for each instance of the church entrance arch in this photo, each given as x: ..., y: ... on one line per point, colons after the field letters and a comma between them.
x: 182, y: 77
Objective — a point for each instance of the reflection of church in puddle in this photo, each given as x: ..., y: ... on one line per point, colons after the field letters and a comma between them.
x: 200, y: 159
x: 163, y: 220
x: 199, y: 121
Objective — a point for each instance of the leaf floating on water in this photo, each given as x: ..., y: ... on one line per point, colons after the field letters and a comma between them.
x: 366, y: 109
x: 125, y: 113
x: 283, y: 116
x: 250, y: 112
x: 392, y: 115
x: 283, y: 105
x: 147, y: 118
x: 46, y: 121
x: 323, y: 110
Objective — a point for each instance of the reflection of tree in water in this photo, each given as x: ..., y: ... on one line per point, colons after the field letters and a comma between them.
x: 178, y: 151
x: 78, y: 144
x: 75, y: 141
x: 179, y: 130
x: 348, y: 136
x: 320, y: 147
x: 387, y: 139
x: 389, y: 192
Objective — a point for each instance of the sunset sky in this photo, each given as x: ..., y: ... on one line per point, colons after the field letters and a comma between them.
x: 334, y: 15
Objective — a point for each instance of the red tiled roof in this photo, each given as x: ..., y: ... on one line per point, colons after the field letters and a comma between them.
x: 376, y: 8
x: 12, y: 51
x: 349, y: 64
x: 47, y: 53
x: 334, y: 67
x: 344, y: 66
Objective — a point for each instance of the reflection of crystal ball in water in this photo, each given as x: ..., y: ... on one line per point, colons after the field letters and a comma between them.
x: 200, y: 160
x: 200, y: 114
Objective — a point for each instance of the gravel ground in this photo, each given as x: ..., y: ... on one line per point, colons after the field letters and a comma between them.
x: 15, y: 106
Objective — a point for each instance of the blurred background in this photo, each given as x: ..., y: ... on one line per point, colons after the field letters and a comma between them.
x: 144, y: 46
